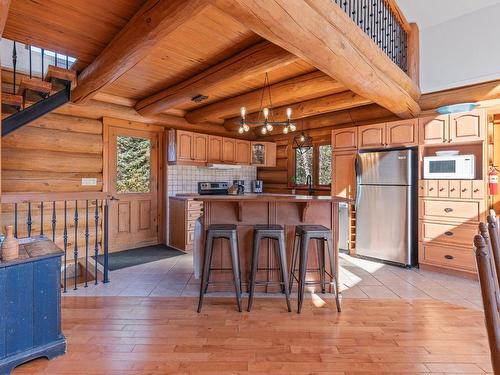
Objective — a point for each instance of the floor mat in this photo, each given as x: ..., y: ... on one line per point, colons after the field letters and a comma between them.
x: 141, y: 255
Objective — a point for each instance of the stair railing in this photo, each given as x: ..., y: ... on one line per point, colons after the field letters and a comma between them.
x: 84, y: 214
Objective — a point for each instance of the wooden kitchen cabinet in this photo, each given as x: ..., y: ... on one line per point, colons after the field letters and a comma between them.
x: 433, y: 129
x: 242, y: 154
x: 184, y: 145
x: 344, y: 175
x: 200, y: 147
x: 371, y: 136
x: 228, y: 150
x: 183, y: 215
x: 401, y: 133
x: 263, y: 154
x: 187, y: 147
x: 345, y: 139
x: 467, y: 127
x: 214, y: 149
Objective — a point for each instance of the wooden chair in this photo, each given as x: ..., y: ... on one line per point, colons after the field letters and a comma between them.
x: 495, y: 242
x: 489, y: 290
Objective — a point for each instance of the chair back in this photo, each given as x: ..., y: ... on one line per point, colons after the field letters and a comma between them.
x: 489, y: 291
x: 495, y: 243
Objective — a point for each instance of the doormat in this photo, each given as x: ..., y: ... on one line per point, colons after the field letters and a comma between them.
x: 140, y: 255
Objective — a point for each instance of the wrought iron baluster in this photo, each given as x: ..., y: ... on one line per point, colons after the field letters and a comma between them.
x: 41, y: 218
x: 14, y: 65
x: 43, y: 58
x: 86, y: 242
x: 15, y: 220
x: 96, y: 245
x: 65, y: 237
x: 31, y: 68
x: 55, y: 59
x: 54, y: 221
x: 105, y: 242
x: 75, y: 251
x: 29, y: 222
x: 67, y: 62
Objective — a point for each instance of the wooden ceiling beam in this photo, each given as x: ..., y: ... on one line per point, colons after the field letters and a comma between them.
x: 293, y: 90
x: 308, y: 108
x: 252, y: 62
x: 155, y: 20
x: 320, y: 33
x: 4, y: 12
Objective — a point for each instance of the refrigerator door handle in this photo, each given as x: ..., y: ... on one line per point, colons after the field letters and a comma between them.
x: 357, y: 189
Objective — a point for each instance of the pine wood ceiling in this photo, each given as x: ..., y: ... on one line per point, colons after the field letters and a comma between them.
x: 83, y: 28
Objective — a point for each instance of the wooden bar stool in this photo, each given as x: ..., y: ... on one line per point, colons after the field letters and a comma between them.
x: 277, y: 234
x: 303, y: 235
x: 224, y: 231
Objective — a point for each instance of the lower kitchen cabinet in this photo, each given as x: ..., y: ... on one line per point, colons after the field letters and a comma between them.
x: 182, y: 218
x: 450, y: 257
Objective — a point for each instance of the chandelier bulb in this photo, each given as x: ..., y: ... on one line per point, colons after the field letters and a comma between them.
x: 269, y: 127
x: 266, y: 112
x: 263, y: 130
x: 302, y: 138
x: 285, y: 130
x: 243, y: 112
x: 289, y: 113
x: 293, y: 127
x: 246, y: 127
x: 241, y: 130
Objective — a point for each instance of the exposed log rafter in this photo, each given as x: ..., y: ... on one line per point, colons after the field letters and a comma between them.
x: 154, y: 21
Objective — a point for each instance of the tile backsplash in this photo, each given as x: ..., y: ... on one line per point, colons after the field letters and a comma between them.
x: 185, y: 178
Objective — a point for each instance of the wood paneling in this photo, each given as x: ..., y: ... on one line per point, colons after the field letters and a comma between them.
x: 53, y: 154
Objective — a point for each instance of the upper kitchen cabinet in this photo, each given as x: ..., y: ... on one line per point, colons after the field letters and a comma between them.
x: 187, y: 147
x: 371, y: 136
x: 345, y: 139
x: 214, y: 149
x: 467, y: 127
x: 184, y: 145
x: 242, y: 155
x: 401, y: 133
x: 200, y: 147
x: 228, y: 150
x: 263, y: 154
x: 433, y: 129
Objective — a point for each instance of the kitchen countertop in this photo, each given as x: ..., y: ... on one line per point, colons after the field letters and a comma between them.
x: 269, y: 197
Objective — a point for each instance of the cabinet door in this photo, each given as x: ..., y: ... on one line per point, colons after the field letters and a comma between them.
x: 270, y: 154
x: 184, y: 145
x: 242, y: 152
x: 467, y: 127
x: 228, y: 150
x: 214, y: 149
x: 433, y: 129
x: 345, y: 139
x: 371, y: 136
x: 200, y: 147
x: 258, y: 153
x: 344, y: 175
x: 401, y: 133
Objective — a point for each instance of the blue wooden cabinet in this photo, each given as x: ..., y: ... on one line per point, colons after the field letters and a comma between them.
x: 30, y: 307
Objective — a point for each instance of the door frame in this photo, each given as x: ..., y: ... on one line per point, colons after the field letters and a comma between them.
x: 108, y: 122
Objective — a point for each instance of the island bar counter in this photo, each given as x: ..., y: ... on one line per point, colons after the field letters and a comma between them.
x: 247, y: 210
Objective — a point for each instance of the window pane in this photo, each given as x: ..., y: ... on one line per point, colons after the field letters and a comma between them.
x: 303, y: 165
x: 133, y: 169
x: 325, y: 165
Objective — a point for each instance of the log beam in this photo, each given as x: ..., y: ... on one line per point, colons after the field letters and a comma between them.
x: 308, y: 108
x: 319, y: 32
x: 4, y: 12
x: 293, y: 90
x: 155, y: 20
x: 414, y: 53
x: 252, y: 62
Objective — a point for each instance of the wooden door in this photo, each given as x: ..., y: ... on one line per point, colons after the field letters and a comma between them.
x: 214, y: 149
x: 228, y: 150
x: 199, y: 147
x: 133, y: 169
x: 270, y: 152
x: 401, y: 133
x: 371, y: 136
x: 344, y: 175
x: 467, y: 127
x: 345, y: 139
x: 433, y: 129
x: 242, y: 155
x: 184, y: 143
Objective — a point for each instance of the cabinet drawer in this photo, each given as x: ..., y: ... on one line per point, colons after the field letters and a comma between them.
x: 457, y: 211
x: 190, y: 224
x: 478, y: 189
x: 465, y: 189
x: 193, y: 215
x: 190, y: 237
x: 461, y: 234
x: 448, y: 256
x: 194, y: 205
x: 454, y: 189
x: 432, y: 188
x: 443, y: 189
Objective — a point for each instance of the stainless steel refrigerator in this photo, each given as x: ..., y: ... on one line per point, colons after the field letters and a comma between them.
x: 386, y: 206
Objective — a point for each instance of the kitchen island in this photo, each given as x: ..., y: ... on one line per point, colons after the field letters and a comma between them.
x: 249, y: 209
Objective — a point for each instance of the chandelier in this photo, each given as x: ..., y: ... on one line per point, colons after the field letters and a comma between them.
x: 266, y: 125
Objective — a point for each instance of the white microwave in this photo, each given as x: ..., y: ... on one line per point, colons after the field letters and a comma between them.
x: 459, y: 167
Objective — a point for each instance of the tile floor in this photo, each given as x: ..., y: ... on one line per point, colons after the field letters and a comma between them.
x: 359, y: 278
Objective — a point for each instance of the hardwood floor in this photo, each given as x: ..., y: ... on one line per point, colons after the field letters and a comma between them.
x: 146, y: 335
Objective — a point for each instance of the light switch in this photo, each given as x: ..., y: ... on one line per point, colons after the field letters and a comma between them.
x: 89, y: 181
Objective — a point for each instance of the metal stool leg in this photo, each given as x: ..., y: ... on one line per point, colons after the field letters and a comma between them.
x: 236, y: 269
x: 206, y: 268
x: 335, y: 279
x: 284, y: 268
x: 209, y: 271
x: 304, y: 245
x: 255, y: 263
x: 295, y: 255
x: 320, y: 252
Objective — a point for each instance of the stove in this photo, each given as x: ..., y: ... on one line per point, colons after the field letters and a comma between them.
x: 213, y: 188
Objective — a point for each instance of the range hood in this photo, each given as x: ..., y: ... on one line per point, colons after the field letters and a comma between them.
x: 223, y: 166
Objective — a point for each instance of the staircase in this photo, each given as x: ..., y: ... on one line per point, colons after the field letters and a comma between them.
x: 32, y: 97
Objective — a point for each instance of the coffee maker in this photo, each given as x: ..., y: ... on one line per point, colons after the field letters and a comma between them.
x: 257, y: 186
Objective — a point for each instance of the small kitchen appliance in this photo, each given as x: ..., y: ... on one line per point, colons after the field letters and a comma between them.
x: 213, y: 188
x: 450, y: 167
x: 257, y: 186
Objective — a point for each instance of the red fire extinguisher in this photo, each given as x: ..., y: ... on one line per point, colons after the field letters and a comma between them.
x: 493, y: 181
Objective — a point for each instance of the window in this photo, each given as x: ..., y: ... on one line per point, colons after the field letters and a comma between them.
x: 315, y: 161
x: 133, y: 165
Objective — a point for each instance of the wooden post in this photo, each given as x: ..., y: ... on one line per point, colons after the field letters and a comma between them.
x: 413, y: 60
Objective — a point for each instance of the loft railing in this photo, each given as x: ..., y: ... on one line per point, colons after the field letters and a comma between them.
x: 77, y: 222
x: 383, y: 24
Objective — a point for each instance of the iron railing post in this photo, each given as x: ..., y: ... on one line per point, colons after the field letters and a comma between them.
x: 105, y: 243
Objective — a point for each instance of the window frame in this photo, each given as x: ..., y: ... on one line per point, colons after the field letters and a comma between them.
x: 316, y: 143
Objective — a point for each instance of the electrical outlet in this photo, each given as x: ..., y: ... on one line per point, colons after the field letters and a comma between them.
x: 89, y: 181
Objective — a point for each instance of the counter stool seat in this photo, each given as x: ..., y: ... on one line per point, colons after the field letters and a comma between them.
x: 276, y: 233
x: 303, y: 235
x: 228, y: 232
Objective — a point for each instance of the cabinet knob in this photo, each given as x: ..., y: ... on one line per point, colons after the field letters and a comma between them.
x: 448, y: 209
x: 476, y: 190
x: 431, y: 189
x: 464, y: 190
x: 442, y: 189
x: 450, y: 257
x: 452, y: 189
x: 449, y: 234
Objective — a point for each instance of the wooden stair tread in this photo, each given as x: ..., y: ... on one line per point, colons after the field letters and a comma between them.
x: 35, y: 85
x: 12, y: 100
x: 60, y: 74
